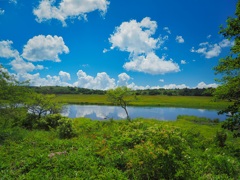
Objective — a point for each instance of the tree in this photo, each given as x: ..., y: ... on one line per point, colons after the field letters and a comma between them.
x: 121, y: 96
x: 12, y: 96
x: 42, y: 105
x: 229, y: 68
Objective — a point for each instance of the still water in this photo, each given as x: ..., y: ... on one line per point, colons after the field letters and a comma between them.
x: 97, y: 112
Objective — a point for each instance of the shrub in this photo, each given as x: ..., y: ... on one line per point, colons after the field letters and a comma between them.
x: 30, y: 121
x: 49, y: 121
x: 65, y: 129
x: 221, y: 138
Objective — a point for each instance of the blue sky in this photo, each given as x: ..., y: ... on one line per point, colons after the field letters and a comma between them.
x: 101, y: 44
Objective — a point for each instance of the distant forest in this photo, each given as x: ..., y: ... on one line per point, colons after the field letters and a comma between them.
x: 166, y: 92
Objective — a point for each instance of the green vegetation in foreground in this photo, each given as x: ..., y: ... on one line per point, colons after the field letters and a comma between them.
x: 165, y: 101
x: 190, y: 148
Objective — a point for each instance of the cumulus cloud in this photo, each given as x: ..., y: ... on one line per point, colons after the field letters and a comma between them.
x: 42, y: 47
x: 21, y: 66
x: 151, y: 64
x: 123, y: 79
x: 174, y: 86
x: 202, y: 85
x: 18, y: 64
x: 37, y: 80
x: 161, y: 80
x: 64, y: 76
x: 179, y: 39
x: 212, y: 50
x: 6, y: 50
x: 101, y: 81
x: 136, y: 38
x: 68, y: 9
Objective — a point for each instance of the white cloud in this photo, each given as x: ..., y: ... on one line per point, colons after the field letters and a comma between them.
x: 2, y: 11
x: 183, y: 62
x: 226, y: 43
x: 21, y: 66
x: 68, y: 9
x: 167, y: 30
x: 161, y: 80
x: 64, y: 76
x: 209, y: 51
x: 36, y: 80
x: 212, y: 50
x: 179, y: 39
x: 13, y: 1
x: 101, y: 81
x: 42, y: 47
x: 6, y: 50
x: 105, y: 50
x: 151, y: 64
x: 209, y: 36
x: 136, y: 38
x: 123, y: 79
x: 18, y: 64
x: 174, y: 86
x: 202, y: 85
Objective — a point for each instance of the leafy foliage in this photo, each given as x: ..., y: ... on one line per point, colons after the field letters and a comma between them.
x: 48, y: 122
x: 140, y: 149
x: 65, y: 90
x: 120, y: 96
x: 12, y: 95
x: 229, y: 67
x: 65, y: 129
x: 42, y: 105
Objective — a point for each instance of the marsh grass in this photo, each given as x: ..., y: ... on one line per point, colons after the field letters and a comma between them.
x: 162, y: 101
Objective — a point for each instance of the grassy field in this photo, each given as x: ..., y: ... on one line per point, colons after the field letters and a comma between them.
x: 164, y: 101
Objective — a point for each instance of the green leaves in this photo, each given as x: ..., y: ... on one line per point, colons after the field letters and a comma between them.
x: 229, y: 67
x: 141, y: 149
x: 42, y: 105
x: 121, y: 96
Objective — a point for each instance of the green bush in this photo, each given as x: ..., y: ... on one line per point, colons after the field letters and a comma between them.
x: 162, y: 154
x: 50, y: 121
x: 30, y: 122
x: 141, y: 149
x: 65, y: 129
x: 221, y: 138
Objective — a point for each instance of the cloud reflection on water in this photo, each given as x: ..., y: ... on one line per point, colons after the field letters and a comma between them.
x: 162, y: 113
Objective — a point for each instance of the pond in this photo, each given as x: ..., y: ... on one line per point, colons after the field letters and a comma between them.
x: 98, y: 112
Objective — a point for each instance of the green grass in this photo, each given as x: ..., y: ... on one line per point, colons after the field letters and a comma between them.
x: 142, y: 149
x: 164, y: 101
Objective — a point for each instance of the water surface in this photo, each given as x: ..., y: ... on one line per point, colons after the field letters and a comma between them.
x: 98, y: 112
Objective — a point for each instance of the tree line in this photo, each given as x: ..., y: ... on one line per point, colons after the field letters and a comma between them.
x: 167, y: 92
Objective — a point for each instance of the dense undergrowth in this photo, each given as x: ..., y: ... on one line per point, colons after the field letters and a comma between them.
x: 189, y: 148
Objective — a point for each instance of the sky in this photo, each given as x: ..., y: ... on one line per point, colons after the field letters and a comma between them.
x: 102, y: 44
